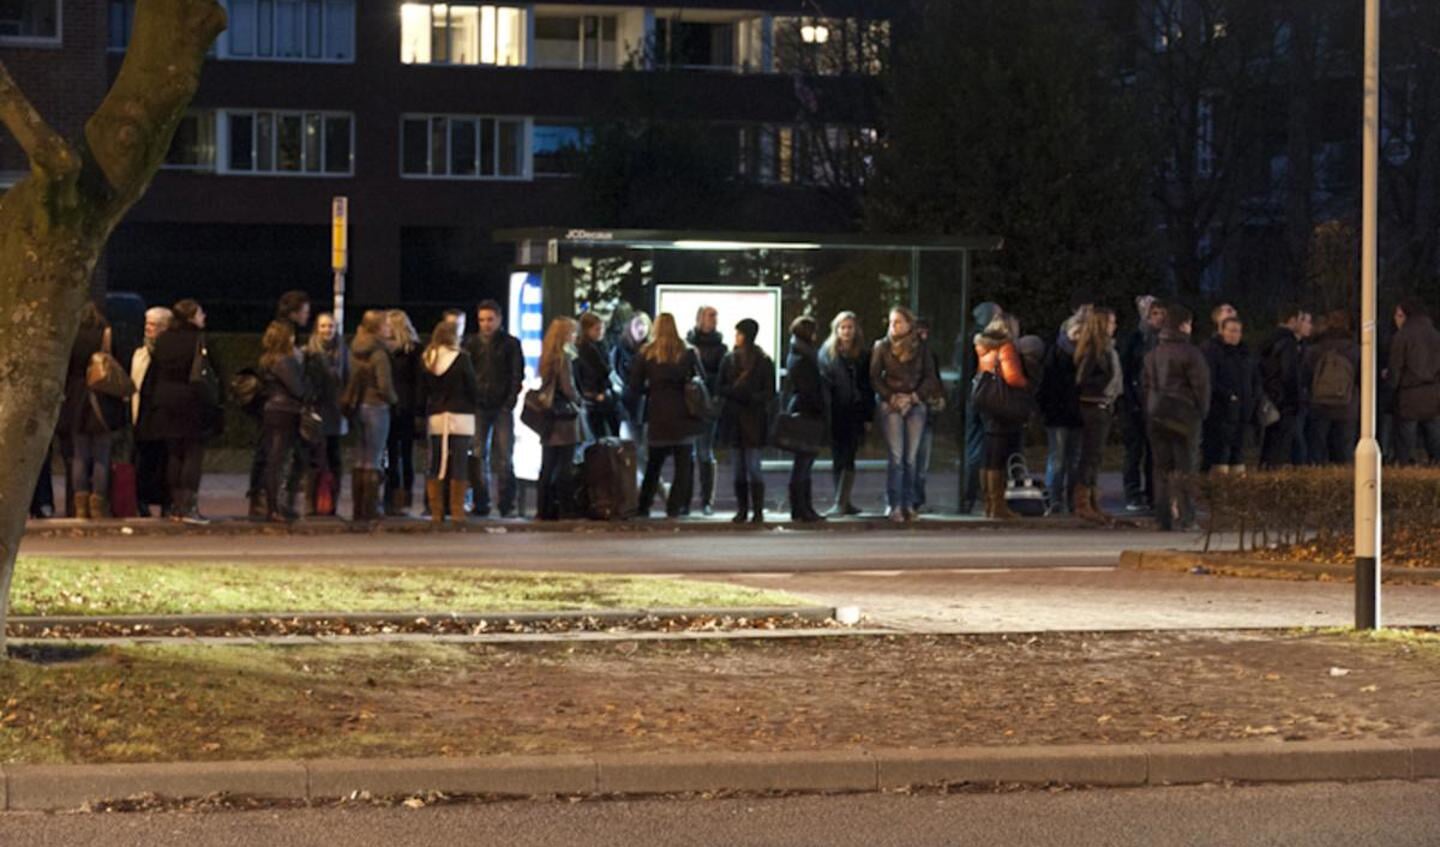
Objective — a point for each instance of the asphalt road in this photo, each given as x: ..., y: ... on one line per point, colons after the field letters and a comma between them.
x: 1319, y: 815
x: 650, y: 552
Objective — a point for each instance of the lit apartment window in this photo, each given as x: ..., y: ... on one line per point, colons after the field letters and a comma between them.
x: 291, y: 30
x: 461, y: 34
x: 193, y: 147
x: 463, y: 147
x: 831, y: 46
x: 297, y: 143
x: 586, y: 42
x: 30, y: 21
x: 557, y: 148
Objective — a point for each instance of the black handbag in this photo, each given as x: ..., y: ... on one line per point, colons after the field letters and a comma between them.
x: 797, y: 433
x: 697, y: 400
x: 312, y: 425
x: 203, y: 377
x: 996, y: 399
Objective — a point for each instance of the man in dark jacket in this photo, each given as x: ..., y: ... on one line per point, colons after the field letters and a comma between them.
x: 1139, y: 471
x: 1414, y: 373
x: 1176, y: 388
x: 709, y: 346
x: 499, y: 373
x: 1280, y: 364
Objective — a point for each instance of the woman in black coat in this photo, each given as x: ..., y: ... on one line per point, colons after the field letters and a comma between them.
x: 592, y: 378
x: 807, y: 401
x: 747, y: 386
x: 283, y: 370
x: 87, y: 420
x: 1234, y: 393
x: 845, y: 374
x: 658, y: 376
x: 181, y: 415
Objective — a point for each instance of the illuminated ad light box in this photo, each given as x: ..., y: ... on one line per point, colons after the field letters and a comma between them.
x: 734, y: 303
x: 526, y: 322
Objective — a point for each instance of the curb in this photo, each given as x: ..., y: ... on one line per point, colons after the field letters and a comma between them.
x: 59, y: 787
x: 230, y: 527
x: 1176, y: 561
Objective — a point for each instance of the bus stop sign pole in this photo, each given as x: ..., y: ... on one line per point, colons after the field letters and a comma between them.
x: 339, y: 253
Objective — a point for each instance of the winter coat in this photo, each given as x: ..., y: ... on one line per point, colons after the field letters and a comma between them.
x: 807, y: 394
x: 1346, y: 346
x: 747, y: 386
x: 1132, y: 362
x: 325, y: 376
x: 405, y: 368
x: 622, y: 360
x: 370, y: 371
x: 448, y: 392
x: 890, y: 376
x: 1059, y: 395
x: 848, y: 393
x: 499, y: 369
x: 710, y: 348
x: 1415, y: 370
x: 1234, y: 383
x: 179, y: 411
x: 1177, y: 367
x: 564, y: 432
x: 997, y: 354
x: 1280, y: 362
x: 78, y: 415
x: 285, y: 388
x: 592, y: 379
x: 662, y: 385
x: 1095, y: 379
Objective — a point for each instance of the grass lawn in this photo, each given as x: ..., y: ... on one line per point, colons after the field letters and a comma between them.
x: 67, y: 587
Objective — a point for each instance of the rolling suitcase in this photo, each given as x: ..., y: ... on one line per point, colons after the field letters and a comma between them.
x: 123, y: 499
x: 610, y: 491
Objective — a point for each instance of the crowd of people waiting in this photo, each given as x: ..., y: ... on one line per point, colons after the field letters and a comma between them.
x: 1181, y: 407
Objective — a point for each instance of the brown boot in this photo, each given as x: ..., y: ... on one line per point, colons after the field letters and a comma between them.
x: 81, y: 509
x: 99, y: 507
x: 435, y: 499
x: 458, y: 489
x: 1084, y: 499
x: 395, y: 504
x: 995, y: 495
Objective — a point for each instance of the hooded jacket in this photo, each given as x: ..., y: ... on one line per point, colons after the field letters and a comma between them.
x: 370, y: 371
x: 1415, y: 370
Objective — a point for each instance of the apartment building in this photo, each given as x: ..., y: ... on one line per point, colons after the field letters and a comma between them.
x: 440, y: 121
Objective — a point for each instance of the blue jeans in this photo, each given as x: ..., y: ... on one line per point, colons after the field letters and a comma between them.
x: 974, y: 456
x: 902, y: 438
x: 494, y: 448
x: 1408, y: 433
x: 90, y: 463
x: 1062, y: 464
x: 922, y: 460
x: 374, y: 425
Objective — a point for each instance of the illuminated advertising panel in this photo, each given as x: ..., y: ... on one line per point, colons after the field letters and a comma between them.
x: 734, y: 303
x: 526, y: 322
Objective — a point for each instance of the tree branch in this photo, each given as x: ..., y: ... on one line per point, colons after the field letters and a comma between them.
x: 129, y: 133
x: 51, y: 158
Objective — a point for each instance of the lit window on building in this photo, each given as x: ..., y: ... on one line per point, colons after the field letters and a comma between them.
x: 462, y: 34
x: 558, y: 148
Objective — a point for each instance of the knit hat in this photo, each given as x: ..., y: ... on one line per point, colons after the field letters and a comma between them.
x: 748, y: 328
x: 985, y: 313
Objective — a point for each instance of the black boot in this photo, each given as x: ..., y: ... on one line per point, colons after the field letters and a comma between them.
x: 797, y: 501
x: 742, y: 503
x: 807, y: 500
x: 357, y: 496
x: 707, y: 487
x: 257, y: 506
x: 757, y: 502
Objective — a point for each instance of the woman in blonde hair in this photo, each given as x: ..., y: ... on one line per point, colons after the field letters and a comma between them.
x: 1098, y: 383
x: 327, y: 369
x: 658, y: 375
x: 565, y: 427
x: 450, y: 397
x: 405, y: 367
x: 845, y: 371
x: 903, y: 373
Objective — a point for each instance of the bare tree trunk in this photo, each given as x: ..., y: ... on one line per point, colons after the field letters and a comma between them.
x: 54, y: 224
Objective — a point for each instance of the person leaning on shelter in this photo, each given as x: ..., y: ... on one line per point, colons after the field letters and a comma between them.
x: 747, y: 388
x: 1176, y: 385
x: 450, y: 396
x: 659, y: 376
x: 149, y: 451
x: 845, y: 371
x: 283, y: 371
x: 1415, y: 375
x: 565, y: 425
x: 327, y: 370
x: 902, y: 372
x: 368, y: 397
x: 499, y: 366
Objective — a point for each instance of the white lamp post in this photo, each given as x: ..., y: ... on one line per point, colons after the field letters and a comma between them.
x: 1367, y: 452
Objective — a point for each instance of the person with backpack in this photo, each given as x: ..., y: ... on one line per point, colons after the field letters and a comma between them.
x: 368, y: 398
x: 327, y: 370
x: 1332, y: 370
x: 450, y: 397
x: 1234, y: 393
x: 89, y: 418
x: 998, y: 358
x: 1415, y: 375
x: 1280, y: 373
x: 1176, y: 388
x: 747, y: 387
